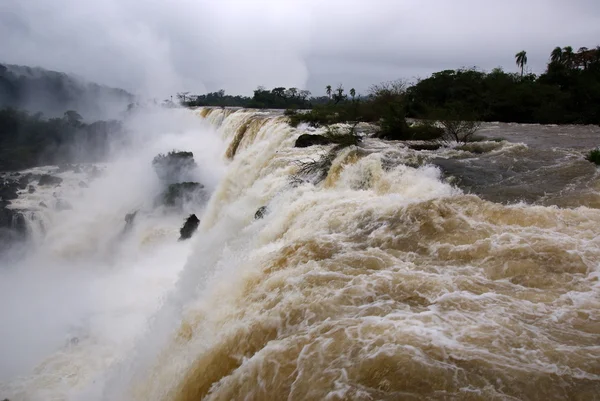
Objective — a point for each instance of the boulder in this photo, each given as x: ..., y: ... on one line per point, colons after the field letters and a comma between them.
x: 189, y: 228
x: 260, y: 213
x: 178, y: 194
x: 83, y: 185
x: 174, y: 167
x: 8, y: 190
x: 31, y: 189
x: 129, y: 218
x: 42, y: 204
x: 306, y: 140
x: 25, y: 180
x: 48, y: 179
x: 424, y: 146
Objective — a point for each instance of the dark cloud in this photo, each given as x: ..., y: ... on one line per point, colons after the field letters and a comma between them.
x: 160, y: 47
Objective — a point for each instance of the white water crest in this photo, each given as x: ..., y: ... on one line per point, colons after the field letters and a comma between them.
x: 382, y: 280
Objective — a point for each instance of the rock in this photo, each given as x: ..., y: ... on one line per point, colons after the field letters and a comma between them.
x: 306, y: 140
x: 129, y: 218
x: 180, y: 193
x: 260, y: 213
x: 24, y: 181
x: 8, y: 190
x: 42, y: 204
x: 174, y: 167
x: 424, y: 146
x: 83, y: 185
x: 189, y: 228
x: 31, y: 189
x: 47, y: 179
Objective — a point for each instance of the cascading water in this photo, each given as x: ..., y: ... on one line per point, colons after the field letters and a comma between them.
x: 383, y: 281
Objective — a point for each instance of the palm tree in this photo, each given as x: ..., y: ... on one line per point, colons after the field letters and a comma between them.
x: 353, y: 93
x: 583, y: 57
x: 568, y: 56
x: 557, y: 55
x: 521, y: 60
x: 328, y: 90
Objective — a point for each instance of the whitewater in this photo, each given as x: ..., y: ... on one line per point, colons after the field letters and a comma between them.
x: 465, y: 273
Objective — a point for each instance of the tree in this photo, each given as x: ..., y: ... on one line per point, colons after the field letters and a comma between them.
x: 521, y: 58
x: 73, y: 118
x: 353, y: 93
x: 328, y: 91
x: 557, y: 55
x: 568, y: 58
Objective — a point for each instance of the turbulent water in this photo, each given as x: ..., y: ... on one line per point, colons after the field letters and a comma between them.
x: 466, y: 273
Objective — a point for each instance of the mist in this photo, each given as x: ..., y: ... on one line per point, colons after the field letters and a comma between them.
x: 80, y: 272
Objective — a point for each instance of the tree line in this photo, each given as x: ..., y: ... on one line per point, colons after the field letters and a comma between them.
x: 28, y: 140
x: 567, y: 92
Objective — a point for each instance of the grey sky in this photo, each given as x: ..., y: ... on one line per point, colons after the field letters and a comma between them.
x: 160, y: 47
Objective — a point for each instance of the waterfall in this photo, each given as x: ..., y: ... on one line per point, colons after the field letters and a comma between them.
x: 382, y: 280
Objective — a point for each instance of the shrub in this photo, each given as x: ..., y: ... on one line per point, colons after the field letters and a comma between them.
x: 594, y: 156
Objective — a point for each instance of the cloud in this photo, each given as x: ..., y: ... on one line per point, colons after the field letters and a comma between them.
x: 159, y: 47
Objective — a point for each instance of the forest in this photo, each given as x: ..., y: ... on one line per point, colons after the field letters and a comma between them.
x: 567, y: 92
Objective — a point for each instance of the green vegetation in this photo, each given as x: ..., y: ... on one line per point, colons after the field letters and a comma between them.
x: 30, y: 140
x: 568, y: 92
x: 594, y: 156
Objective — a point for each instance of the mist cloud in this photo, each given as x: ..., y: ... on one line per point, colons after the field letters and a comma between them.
x: 159, y: 48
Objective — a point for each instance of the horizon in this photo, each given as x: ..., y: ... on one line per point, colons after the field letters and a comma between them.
x: 161, y: 49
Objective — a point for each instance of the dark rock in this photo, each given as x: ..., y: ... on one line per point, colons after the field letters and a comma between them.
x: 24, y: 181
x: 189, y: 228
x: 47, y: 179
x: 83, y: 185
x: 8, y: 190
x: 260, y: 213
x: 180, y: 193
x: 306, y: 140
x: 31, y: 189
x: 174, y: 166
x: 129, y: 218
x: 424, y: 146
x: 42, y: 204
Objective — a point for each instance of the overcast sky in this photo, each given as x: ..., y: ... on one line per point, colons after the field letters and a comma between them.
x: 160, y: 47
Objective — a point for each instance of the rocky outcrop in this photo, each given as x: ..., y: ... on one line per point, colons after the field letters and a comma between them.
x: 189, y: 228
x: 13, y: 228
x: 174, y: 167
x: 48, y: 179
x: 129, y: 219
x: 178, y: 194
x: 306, y: 140
x: 260, y: 213
x: 8, y: 190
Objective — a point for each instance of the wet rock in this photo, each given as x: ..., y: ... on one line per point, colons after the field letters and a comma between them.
x: 306, y: 140
x: 424, y: 146
x: 42, y: 204
x: 48, y: 179
x: 31, y: 189
x: 129, y: 219
x: 174, y: 167
x: 83, y: 185
x: 189, y: 228
x: 180, y: 193
x: 8, y: 190
x: 260, y: 213
x: 25, y: 180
